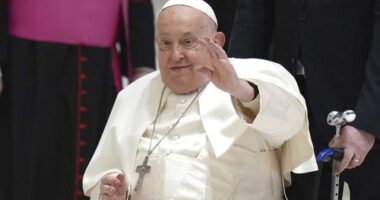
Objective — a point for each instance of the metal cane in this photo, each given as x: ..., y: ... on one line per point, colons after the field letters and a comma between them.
x: 338, y: 119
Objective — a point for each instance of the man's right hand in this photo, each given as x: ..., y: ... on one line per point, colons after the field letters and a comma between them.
x: 113, y: 187
x: 356, y: 145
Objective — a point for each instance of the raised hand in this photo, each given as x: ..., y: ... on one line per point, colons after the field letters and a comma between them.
x: 216, y: 65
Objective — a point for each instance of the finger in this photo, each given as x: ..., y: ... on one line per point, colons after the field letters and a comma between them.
x: 107, y: 190
x: 211, y: 49
x: 217, y: 49
x: 335, y: 143
x: 208, y: 56
x: 220, y: 57
x: 355, y: 161
x: 120, y: 177
x: 120, y: 180
x: 108, y: 180
x: 343, y: 164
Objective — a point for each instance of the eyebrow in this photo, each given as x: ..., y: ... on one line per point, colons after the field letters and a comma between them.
x: 189, y: 34
x: 185, y: 34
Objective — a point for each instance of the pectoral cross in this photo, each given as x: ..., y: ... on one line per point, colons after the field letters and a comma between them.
x: 142, y: 170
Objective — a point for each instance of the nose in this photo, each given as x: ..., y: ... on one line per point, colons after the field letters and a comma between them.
x: 177, y: 53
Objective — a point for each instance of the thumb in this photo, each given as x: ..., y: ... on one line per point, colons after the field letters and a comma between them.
x: 334, y: 142
x: 348, y: 154
x: 121, y: 178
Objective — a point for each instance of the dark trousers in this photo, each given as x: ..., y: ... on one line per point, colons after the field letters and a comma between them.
x: 363, y: 181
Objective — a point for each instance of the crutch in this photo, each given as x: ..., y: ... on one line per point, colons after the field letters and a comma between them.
x: 337, y: 119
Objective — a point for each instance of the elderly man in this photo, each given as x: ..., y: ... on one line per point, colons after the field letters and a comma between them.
x: 204, y: 126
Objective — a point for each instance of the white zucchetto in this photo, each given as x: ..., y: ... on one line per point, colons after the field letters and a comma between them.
x: 196, y: 4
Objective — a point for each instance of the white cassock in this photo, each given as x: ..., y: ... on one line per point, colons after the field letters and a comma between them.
x: 216, y: 151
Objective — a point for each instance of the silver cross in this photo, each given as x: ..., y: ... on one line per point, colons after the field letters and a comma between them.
x: 142, y: 170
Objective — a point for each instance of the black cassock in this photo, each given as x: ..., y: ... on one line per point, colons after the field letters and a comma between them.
x: 56, y: 101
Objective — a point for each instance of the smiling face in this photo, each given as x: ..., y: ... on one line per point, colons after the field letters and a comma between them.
x: 179, y: 30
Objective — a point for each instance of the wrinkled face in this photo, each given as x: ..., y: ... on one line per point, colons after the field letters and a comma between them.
x: 179, y: 31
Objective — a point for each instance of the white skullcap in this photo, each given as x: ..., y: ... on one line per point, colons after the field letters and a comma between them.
x: 197, y: 4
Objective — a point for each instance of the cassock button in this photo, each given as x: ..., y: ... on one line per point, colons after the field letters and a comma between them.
x: 82, y: 126
x: 83, y: 92
x: 82, y: 143
x: 83, y: 59
x: 168, y: 152
x: 82, y: 76
x: 81, y: 160
x: 82, y: 109
x: 175, y: 137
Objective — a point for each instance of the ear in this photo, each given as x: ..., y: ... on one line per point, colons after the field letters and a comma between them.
x: 219, y: 38
x: 156, y: 39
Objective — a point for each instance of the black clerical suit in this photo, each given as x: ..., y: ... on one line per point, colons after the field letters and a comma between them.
x: 338, y: 43
x: 57, y: 98
x: 5, y: 147
x: 225, y: 13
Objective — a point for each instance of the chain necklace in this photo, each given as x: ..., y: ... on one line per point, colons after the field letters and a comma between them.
x: 144, y: 168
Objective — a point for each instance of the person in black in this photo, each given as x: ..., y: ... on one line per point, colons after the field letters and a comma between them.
x: 333, y: 49
x: 5, y: 145
x: 225, y: 13
x: 57, y: 97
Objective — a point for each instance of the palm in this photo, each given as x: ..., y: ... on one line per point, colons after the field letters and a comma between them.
x: 217, y: 66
